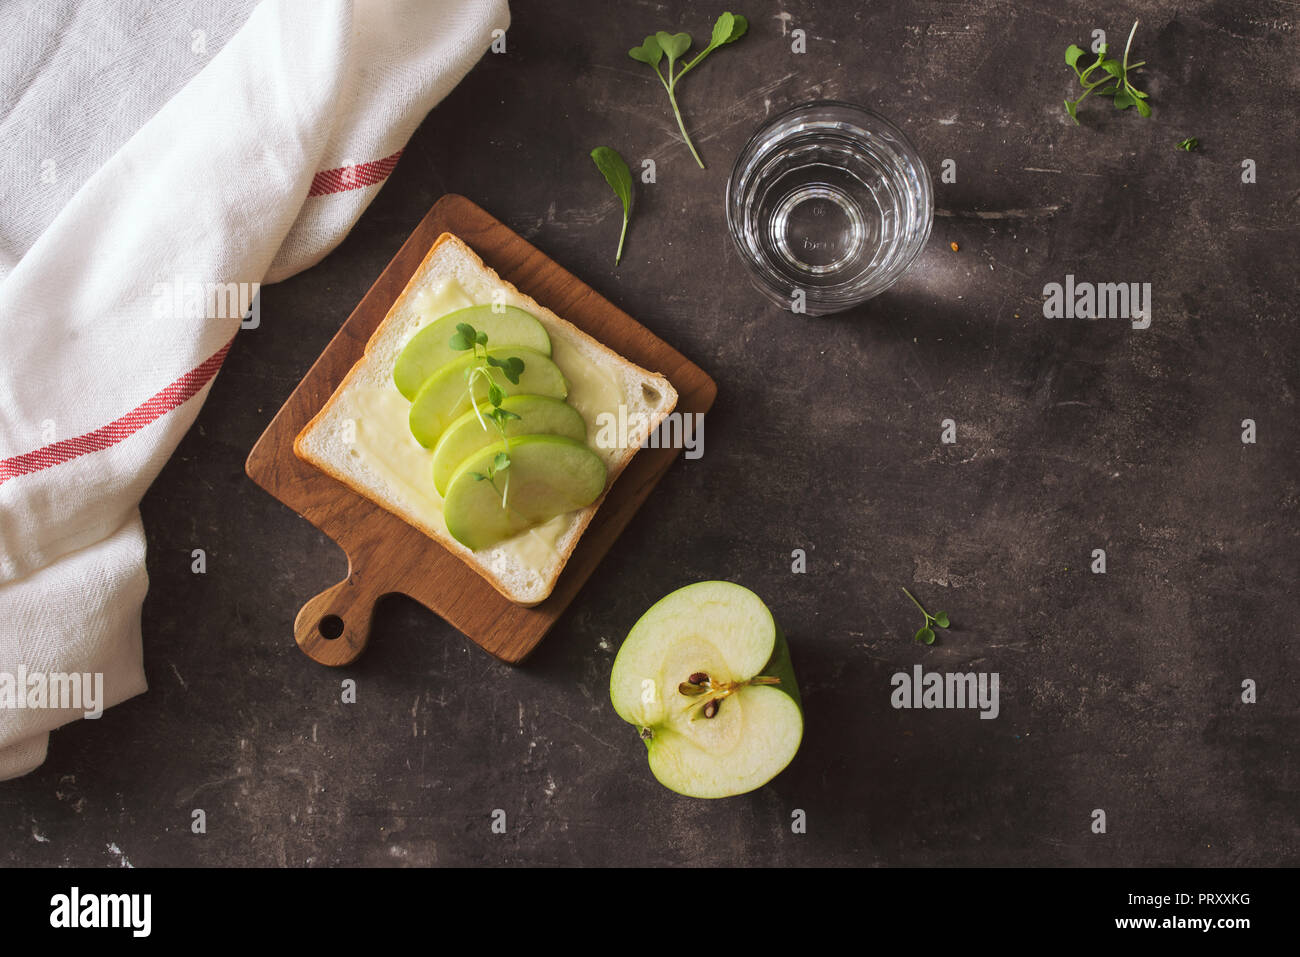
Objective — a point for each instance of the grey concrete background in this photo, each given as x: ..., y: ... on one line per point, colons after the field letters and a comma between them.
x: 1119, y: 692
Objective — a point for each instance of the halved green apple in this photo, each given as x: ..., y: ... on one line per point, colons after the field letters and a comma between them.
x: 705, y: 677
x: 444, y: 397
x: 430, y: 348
x: 549, y: 475
x: 538, y: 415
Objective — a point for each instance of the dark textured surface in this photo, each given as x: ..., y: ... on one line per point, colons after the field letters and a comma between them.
x: 1119, y: 692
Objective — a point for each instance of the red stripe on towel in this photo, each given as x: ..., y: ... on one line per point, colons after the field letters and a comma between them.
x: 109, y: 435
x: 352, y: 177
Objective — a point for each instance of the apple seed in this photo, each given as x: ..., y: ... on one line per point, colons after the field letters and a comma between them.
x: 722, y: 690
x: 698, y: 678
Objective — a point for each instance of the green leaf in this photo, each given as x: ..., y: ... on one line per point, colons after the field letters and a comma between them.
x: 673, y: 45
x: 1123, y: 100
x: 649, y: 52
x: 466, y: 330
x: 925, y: 636
x: 1142, y: 106
x: 1114, y: 68
x: 1072, y: 54
x: 478, y: 476
x: 1070, y: 108
x: 458, y: 343
x: 728, y: 29
x: 510, y: 368
x: 495, y: 394
x: 500, y: 462
x: 722, y: 29
x: 481, y: 338
x: 941, y: 619
x: 614, y: 168
x: 504, y: 415
x: 1189, y: 144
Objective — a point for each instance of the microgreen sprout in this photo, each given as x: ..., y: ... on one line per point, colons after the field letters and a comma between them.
x: 467, y: 338
x: 729, y: 28
x: 1116, y: 73
x: 940, y: 620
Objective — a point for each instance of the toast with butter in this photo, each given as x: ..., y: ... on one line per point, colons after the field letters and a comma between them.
x: 362, y: 436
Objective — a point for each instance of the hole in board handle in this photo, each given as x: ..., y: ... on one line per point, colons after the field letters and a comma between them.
x: 330, y: 627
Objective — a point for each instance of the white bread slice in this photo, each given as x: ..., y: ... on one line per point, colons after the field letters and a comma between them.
x: 327, y: 441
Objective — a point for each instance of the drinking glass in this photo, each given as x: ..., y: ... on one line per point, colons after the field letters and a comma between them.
x: 828, y: 204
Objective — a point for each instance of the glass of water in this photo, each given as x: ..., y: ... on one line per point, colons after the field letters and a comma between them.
x: 828, y: 203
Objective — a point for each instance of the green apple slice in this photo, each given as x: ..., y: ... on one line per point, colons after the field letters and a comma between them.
x: 538, y: 415
x: 549, y: 475
x: 705, y: 677
x: 444, y: 397
x: 430, y: 348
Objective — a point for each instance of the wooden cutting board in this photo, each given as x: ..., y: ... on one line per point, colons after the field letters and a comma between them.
x: 387, y: 555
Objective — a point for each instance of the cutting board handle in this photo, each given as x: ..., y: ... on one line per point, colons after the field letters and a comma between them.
x: 333, y: 627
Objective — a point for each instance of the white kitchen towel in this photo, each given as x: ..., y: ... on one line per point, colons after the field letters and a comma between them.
x: 239, y: 153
